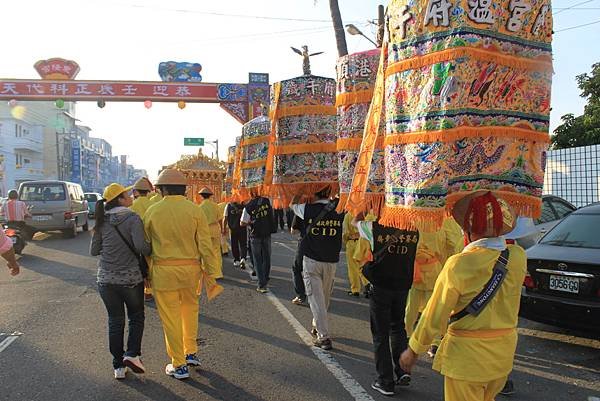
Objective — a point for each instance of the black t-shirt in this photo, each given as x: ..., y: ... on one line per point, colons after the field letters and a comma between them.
x: 261, y: 217
x: 323, y: 241
x: 395, y: 271
x: 234, y: 214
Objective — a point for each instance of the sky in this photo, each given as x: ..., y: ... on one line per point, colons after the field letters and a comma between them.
x: 127, y: 39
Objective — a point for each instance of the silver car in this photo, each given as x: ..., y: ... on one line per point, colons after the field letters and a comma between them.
x: 554, y: 209
x: 55, y: 206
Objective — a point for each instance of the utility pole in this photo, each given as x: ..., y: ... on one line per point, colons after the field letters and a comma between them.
x: 216, y: 144
x: 380, y: 25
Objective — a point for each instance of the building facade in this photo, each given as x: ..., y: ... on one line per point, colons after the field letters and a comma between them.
x: 574, y: 174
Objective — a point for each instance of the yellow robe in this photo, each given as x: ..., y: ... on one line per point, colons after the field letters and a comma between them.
x: 213, y: 218
x: 155, y: 198
x: 181, y: 252
x: 224, y: 243
x: 140, y: 205
x: 474, y: 349
x: 350, y: 238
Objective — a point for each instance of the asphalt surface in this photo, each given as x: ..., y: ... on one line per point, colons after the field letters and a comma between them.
x: 252, y: 346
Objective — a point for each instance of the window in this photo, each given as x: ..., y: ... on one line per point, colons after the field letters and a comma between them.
x: 43, y: 192
x: 91, y: 197
x: 561, y: 208
x: 547, y: 213
x: 577, y: 231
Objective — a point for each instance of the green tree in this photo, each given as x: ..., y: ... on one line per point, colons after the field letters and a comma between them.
x: 585, y: 129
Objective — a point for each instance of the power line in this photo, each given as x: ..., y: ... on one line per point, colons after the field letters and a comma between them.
x: 573, y: 6
x: 577, y: 26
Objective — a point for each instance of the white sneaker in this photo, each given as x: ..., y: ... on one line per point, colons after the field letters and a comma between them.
x: 134, y: 363
x: 120, y: 373
x: 236, y: 263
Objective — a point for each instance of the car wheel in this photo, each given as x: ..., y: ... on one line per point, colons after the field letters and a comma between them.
x: 70, y: 232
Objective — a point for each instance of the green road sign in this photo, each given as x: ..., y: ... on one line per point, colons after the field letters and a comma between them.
x: 193, y: 141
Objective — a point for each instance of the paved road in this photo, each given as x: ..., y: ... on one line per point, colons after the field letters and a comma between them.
x: 253, y: 347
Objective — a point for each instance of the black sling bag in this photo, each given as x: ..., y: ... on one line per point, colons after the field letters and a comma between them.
x: 142, y: 262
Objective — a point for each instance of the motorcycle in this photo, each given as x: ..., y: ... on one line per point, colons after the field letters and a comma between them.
x: 17, y: 237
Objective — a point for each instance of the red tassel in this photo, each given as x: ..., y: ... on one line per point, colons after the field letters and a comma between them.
x: 478, y: 210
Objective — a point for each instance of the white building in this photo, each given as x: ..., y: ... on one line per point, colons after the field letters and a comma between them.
x: 574, y: 174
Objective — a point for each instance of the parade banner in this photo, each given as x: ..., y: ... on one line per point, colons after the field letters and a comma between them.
x: 304, y: 125
x: 466, y: 92
x: 356, y: 74
x: 254, y: 150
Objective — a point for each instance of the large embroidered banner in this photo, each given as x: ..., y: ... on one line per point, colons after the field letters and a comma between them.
x: 466, y: 89
x: 254, y: 147
x: 304, y: 132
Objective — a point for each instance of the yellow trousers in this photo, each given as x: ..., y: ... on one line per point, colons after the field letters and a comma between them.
x: 460, y: 390
x: 178, y: 311
x: 357, y: 280
x: 218, y: 257
x: 224, y: 244
x: 417, y: 299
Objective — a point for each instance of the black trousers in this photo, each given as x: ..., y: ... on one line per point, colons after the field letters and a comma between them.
x: 299, y: 288
x: 239, y: 243
x: 389, y: 335
x: 289, y: 216
x: 115, y: 298
x: 278, y: 215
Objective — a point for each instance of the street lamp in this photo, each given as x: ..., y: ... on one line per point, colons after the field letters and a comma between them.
x: 353, y: 30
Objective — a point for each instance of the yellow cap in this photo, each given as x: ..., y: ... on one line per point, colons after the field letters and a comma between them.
x: 114, y: 190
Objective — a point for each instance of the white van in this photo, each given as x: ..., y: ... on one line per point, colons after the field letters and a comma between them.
x: 57, y: 206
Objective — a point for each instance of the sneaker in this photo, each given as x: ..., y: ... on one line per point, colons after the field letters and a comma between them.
x: 314, y: 332
x: 120, y: 373
x: 367, y: 290
x: 323, y: 344
x: 509, y: 388
x: 298, y: 301
x: 403, y: 379
x: 253, y: 274
x: 354, y: 294
x: 262, y: 290
x: 243, y: 264
x: 148, y: 297
x: 236, y: 263
x: 179, y: 373
x: 192, y: 360
x: 385, y: 390
x: 134, y: 363
x: 432, y: 351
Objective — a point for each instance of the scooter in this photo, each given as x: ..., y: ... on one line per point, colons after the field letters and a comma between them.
x: 17, y: 238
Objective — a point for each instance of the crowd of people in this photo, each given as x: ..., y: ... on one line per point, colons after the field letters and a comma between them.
x: 453, y: 293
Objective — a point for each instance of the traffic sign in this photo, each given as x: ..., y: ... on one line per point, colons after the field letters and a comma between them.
x: 193, y: 141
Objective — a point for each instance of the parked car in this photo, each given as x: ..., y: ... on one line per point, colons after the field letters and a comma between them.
x: 57, y: 205
x: 92, y: 198
x: 553, y: 210
x: 562, y: 286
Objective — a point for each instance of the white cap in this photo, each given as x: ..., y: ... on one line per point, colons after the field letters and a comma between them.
x: 523, y: 228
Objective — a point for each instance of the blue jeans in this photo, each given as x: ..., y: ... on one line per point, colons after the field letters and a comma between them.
x: 261, y: 258
x: 115, y: 298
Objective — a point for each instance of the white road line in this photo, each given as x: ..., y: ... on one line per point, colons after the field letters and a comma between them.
x: 285, y: 246
x: 352, y: 386
x: 9, y: 340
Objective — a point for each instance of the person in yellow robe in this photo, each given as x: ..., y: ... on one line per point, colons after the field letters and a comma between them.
x: 433, y: 250
x: 224, y: 231
x: 181, y: 253
x: 477, y: 351
x: 213, y: 217
x: 350, y: 238
x: 362, y: 254
x: 142, y: 190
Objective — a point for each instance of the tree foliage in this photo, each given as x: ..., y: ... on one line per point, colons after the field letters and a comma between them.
x: 585, y: 129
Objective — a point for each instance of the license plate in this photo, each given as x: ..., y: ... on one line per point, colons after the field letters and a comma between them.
x: 42, y: 217
x: 564, y: 284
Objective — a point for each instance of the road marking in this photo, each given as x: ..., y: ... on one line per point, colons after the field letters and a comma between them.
x: 546, y: 335
x: 346, y: 380
x: 9, y: 340
x: 286, y: 246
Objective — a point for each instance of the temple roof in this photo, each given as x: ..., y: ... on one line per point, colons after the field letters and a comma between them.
x: 198, y: 162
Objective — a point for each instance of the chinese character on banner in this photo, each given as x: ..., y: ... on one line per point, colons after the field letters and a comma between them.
x: 344, y: 70
x: 540, y: 20
x: 364, y: 68
x: 480, y: 11
x: 129, y: 90
x: 404, y: 18
x: 518, y: 9
x: 329, y: 88
x: 35, y: 88
x: 439, y: 12
x: 106, y: 89
x: 160, y: 90
x: 9, y: 89
x: 292, y: 89
x: 183, y: 91
x: 311, y: 85
x: 82, y: 89
x: 59, y: 89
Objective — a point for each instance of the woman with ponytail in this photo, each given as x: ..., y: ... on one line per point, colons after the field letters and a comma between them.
x: 118, y: 240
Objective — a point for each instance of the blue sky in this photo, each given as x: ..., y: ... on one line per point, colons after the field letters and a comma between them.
x: 126, y: 39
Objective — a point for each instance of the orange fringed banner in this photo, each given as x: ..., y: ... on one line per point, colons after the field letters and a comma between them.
x: 303, y: 128
x: 467, y: 100
x: 356, y: 74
